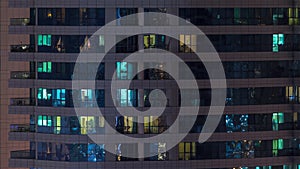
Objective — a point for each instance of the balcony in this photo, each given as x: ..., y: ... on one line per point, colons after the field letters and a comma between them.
x: 22, y: 128
x: 22, y: 75
x: 20, y: 21
x: 22, y: 102
x: 22, y: 48
x: 22, y: 154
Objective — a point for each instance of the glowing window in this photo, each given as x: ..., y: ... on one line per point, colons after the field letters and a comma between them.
x: 187, y: 151
x: 57, y: 124
x: 188, y: 43
x: 153, y: 124
x: 87, y: 124
x: 277, y: 118
x: 293, y: 16
x: 44, y: 94
x: 154, y: 41
x: 45, y: 67
x: 158, y: 151
x: 126, y: 124
x: 278, y: 39
x: 126, y: 97
x: 101, y: 121
x: 86, y: 97
x: 44, y: 40
x: 101, y: 40
x: 291, y: 93
x: 277, y: 145
x: 58, y: 97
x: 124, y: 70
x: 96, y: 152
x: 44, y: 121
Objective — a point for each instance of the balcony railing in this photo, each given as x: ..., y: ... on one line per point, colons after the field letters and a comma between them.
x: 22, y: 154
x: 22, y: 128
x: 22, y: 48
x: 22, y: 102
x: 22, y: 75
x: 19, y: 21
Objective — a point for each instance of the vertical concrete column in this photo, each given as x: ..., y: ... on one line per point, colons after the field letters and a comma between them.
x: 141, y: 150
x: 141, y: 103
x: 172, y: 44
x: 110, y: 41
x: 53, y: 152
x: 140, y: 125
x: 110, y: 156
x: 141, y: 91
x: 109, y: 69
x: 36, y: 16
x: 36, y: 149
x: 35, y: 49
x: 172, y: 91
x: 110, y: 15
x: 110, y: 120
x: 173, y: 153
x: 141, y: 37
x: 170, y: 120
x: 141, y: 20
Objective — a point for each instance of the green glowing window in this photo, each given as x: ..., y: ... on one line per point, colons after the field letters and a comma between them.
x: 277, y: 118
x: 277, y: 145
x: 44, y: 121
x: 44, y: 67
x: 278, y: 39
x: 44, y: 40
x: 44, y: 94
x: 124, y: 70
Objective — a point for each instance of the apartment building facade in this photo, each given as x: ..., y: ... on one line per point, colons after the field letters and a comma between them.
x: 257, y: 42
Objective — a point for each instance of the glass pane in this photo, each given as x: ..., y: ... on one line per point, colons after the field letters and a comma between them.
x: 83, y: 122
x: 40, y: 120
x: 40, y: 93
x: 101, y: 40
x: 101, y: 121
x: 280, y: 39
x: 48, y: 43
x: 44, y: 66
x: 280, y: 144
x: 181, y: 147
x: 40, y: 40
x: 49, y: 68
x: 188, y: 147
x: 49, y: 121
x: 44, y: 120
x: 40, y: 67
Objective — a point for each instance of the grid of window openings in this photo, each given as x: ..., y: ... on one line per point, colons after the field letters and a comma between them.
x: 265, y: 109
